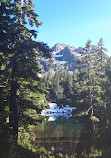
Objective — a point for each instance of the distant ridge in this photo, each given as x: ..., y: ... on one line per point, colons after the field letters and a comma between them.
x: 63, y: 57
x: 68, y: 56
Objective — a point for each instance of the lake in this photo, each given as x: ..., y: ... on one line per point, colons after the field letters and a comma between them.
x: 61, y: 130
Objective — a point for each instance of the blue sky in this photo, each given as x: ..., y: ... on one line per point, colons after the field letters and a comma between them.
x: 73, y: 22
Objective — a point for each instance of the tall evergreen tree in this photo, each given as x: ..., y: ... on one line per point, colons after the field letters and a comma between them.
x: 101, y: 51
x: 19, y: 55
x: 91, y: 91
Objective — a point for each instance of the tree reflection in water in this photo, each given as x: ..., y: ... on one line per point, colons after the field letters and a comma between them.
x: 61, y: 135
x: 77, y: 137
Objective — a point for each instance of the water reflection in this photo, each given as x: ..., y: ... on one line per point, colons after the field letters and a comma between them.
x: 61, y: 130
x: 61, y: 135
x: 55, y: 112
x: 78, y: 137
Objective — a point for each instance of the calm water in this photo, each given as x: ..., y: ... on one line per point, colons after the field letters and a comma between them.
x: 61, y: 133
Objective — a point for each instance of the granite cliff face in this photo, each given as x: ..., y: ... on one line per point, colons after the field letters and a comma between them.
x: 67, y: 56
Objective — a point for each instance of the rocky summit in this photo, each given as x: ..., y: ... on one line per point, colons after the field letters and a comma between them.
x: 67, y: 56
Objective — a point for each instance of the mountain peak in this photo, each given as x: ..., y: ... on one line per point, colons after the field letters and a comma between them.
x: 58, y: 47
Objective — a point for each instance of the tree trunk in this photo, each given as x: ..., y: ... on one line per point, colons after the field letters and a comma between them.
x: 13, y: 108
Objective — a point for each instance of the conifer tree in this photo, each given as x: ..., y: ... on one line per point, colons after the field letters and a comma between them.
x: 75, y: 87
x: 90, y: 80
x: 101, y: 51
x: 18, y: 58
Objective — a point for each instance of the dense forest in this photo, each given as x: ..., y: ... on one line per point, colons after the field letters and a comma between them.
x: 24, y: 94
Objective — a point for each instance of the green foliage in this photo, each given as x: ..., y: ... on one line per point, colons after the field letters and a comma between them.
x: 94, y: 118
x: 93, y: 154
x: 82, y: 114
x: 22, y: 93
x: 59, y: 155
x: 92, y: 78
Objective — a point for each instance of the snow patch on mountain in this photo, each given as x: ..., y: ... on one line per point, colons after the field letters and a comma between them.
x: 67, y: 55
x: 56, y: 55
